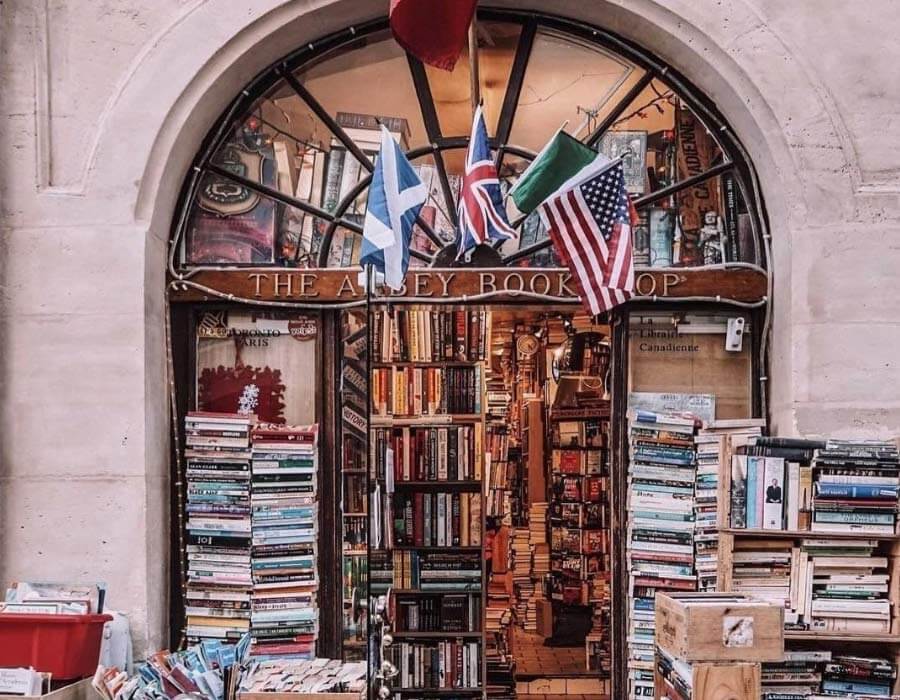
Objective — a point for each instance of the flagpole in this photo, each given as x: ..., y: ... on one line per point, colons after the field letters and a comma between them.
x: 473, y: 63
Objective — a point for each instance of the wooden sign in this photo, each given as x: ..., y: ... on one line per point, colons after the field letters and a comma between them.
x: 429, y: 285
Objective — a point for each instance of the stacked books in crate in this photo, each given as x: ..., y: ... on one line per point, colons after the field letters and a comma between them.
x: 714, y: 441
x: 285, y: 526
x: 660, y: 539
x: 856, y: 486
x: 219, y: 581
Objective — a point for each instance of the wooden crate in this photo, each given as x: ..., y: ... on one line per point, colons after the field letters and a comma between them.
x: 719, y: 681
x: 77, y: 690
x: 719, y: 627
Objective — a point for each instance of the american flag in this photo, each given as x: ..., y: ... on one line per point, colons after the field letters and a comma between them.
x: 481, y: 212
x: 590, y: 226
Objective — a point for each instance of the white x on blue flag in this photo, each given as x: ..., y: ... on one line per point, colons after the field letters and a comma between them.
x: 395, y: 197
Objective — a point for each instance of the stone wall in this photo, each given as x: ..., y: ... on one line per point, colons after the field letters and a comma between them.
x: 104, y: 103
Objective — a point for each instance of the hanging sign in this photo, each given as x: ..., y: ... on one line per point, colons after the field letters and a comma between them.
x: 478, y: 284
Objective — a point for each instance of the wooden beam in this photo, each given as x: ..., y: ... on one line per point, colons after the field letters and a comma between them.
x: 434, y: 285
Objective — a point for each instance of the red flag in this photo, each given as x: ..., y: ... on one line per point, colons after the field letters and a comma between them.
x: 434, y: 31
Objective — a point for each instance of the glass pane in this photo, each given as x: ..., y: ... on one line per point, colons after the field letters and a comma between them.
x: 258, y: 361
x: 452, y: 91
x: 437, y: 212
x: 368, y: 79
x: 567, y: 80
x: 263, y: 231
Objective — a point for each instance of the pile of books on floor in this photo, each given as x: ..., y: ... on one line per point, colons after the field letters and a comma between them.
x: 537, y: 525
x: 846, y: 586
x: 501, y: 681
x: 714, y: 442
x: 660, y: 538
x: 856, y: 486
x: 285, y: 527
x: 523, y: 586
x: 219, y: 581
x: 798, y: 675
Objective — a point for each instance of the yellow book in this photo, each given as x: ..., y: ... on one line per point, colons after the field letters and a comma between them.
x: 203, y: 621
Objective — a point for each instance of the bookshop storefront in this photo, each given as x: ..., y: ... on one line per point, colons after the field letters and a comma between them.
x: 464, y: 473
x: 478, y: 507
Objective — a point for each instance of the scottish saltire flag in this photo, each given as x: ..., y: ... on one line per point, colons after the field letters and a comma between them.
x: 395, y: 197
x: 481, y: 214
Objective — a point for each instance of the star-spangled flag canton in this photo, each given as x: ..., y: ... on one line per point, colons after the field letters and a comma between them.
x: 590, y: 226
x: 482, y: 216
x: 396, y: 196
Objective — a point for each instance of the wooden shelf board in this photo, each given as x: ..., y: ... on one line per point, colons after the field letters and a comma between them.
x: 437, y: 635
x: 435, y: 548
x: 436, y: 420
x: 443, y: 591
x: 807, y: 534
x: 425, y: 363
x: 799, y: 635
x: 467, y: 484
x: 438, y: 691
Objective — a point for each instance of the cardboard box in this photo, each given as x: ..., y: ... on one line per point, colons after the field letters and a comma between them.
x: 719, y: 627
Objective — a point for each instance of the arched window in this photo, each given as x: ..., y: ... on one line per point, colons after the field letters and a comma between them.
x: 282, y: 179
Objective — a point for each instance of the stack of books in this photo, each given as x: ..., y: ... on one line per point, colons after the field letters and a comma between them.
x: 437, y: 519
x: 859, y: 675
x: 302, y: 677
x: 714, y: 441
x: 537, y: 526
x: 419, y: 453
x: 219, y: 580
x: 501, y: 680
x: 660, y: 538
x: 523, y: 586
x: 430, y: 335
x: 426, y: 391
x: 846, y: 586
x: 436, y: 571
x: 798, y: 675
x: 285, y: 617
x: 763, y: 569
x: 856, y: 486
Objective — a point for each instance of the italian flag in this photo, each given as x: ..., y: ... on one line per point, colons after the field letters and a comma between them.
x: 562, y: 163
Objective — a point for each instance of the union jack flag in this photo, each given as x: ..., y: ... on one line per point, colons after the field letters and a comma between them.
x: 481, y: 213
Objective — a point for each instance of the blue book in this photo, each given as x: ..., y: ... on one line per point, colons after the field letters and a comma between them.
x: 752, y: 485
x: 864, y: 491
x: 857, y: 687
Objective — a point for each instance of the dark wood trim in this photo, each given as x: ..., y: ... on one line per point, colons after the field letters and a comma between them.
x: 432, y: 129
x: 183, y: 324
x: 619, y: 613
x: 328, y: 414
x: 514, y: 87
x: 326, y: 118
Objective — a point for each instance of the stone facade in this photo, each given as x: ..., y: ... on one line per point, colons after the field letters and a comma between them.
x: 104, y: 103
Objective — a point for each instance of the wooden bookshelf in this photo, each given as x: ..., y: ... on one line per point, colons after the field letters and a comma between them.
x: 468, y: 485
x: 812, y: 635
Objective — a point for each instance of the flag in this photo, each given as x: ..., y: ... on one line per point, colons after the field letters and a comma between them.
x: 481, y: 215
x: 562, y: 163
x: 434, y: 31
x: 396, y: 196
x: 590, y: 226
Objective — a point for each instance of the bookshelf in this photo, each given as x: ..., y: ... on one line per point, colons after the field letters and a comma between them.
x: 427, y: 443
x: 580, y: 559
x: 810, y: 556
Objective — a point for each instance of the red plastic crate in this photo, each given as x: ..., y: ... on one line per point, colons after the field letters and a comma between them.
x: 68, y: 646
